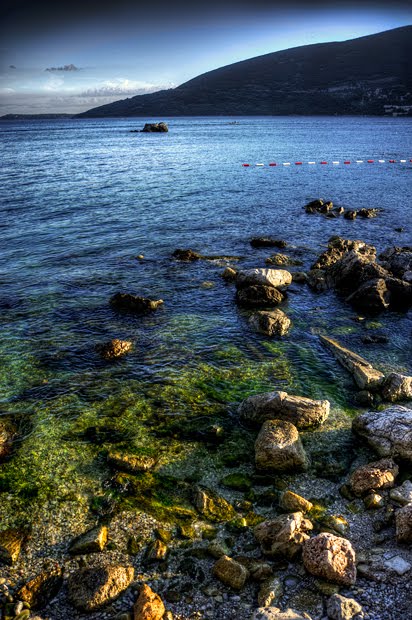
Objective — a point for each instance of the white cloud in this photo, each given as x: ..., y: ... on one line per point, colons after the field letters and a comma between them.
x: 7, y: 91
x: 123, y: 87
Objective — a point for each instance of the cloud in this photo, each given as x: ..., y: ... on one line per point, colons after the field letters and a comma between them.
x: 122, y: 87
x: 70, y: 67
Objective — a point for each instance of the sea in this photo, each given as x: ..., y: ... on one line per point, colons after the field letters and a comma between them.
x: 83, y: 199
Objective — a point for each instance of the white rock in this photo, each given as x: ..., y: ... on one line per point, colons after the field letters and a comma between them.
x: 269, y: 277
x: 389, y: 432
x: 402, y: 494
x: 274, y: 613
x: 398, y: 564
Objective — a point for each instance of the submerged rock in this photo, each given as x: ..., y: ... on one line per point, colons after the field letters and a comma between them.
x: 300, y: 411
x: 368, y: 213
x: 283, y: 535
x: 388, y: 432
x: 270, y: 323
x: 267, y: 277
x: 7, y: 434
x: 155, y: 128
x: 229, y: 274
x: 149, y: 605
x: 188, y: 256
x: 350, y: 214
x: 342, y: 608
x: 403, y: 519
x: 114, y: 349
x: 259, y: 295
x: 133, y: 303
x: 267, y: 242
x: 92, y: 541
x: 230, y: 572
x: 130, y: 462
x: 93, y: 588
x: 278, y: 447
x: 378, y: 475
x: 330, y: 557
x: 11, y: 541
x: 38, y: 592
x: 213, y: 506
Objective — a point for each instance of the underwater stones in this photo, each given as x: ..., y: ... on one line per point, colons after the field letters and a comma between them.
x: 155, y: 128
x: 187, y: 256
x: 284, y: 535
x: 388, y: 432
x: 259, y: 295
x: 114, y: 349
x: 378, y: 475
x: 274, y: 613
x: 230, y: 572
x: 130, y: 462
x: 126, y: 302
x: 267, y: 242
x: 270, y: 323
x: 7, y: 433
x: 213, y: 506
x: 402, y: 494
x: 149, y: 605
x: 43, y: 588
x: 270, y: 592
x: 92, y: 588
x: 278, y: 447
x: 397, y: 387
x: 330, y: 557
x: 92, y: 541
x: 372, y: 297
x: 342, y: 608
x: 403, y: 520
x: 266, y: 277
x: 365, y: 375
x: 11, y: 541
x: 292, y: 502
x: 301, y: 411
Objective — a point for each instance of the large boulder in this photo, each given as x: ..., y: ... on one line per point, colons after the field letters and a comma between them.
x: 155, y: 127
x: 134, y: 304
x: 259, y: 295
x: 270, y: 322
x: 373, y: 476
x: 330, y: 557
x: 388, y: 432
x: 404, y: 524
x: 300, y: 411
x: 149, y: 605
x: 283, y: 535
x: 267, y: 277
x: 230, y: 572
x: 90, y: 589
x: 365, y: 375
x: 278, y: 447
x: 342, y: 608
x: 397, y: 387
x: 372, y: 297
x: 338, y: 248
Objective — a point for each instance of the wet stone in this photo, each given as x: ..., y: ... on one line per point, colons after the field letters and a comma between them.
x: 213, y: 506
x: 114, y: 349
x: 278, y: 447
x: 126, y: 302
x: 292, y: 502
x: 92, y: 541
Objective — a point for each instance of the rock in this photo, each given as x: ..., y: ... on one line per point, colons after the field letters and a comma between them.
x: 267, y: 242
x: 402, y: 494
x: 330, y: 557
x: 373, y: 501
x: 278, y: 447
x: 365, y: 376
x: 314, y: 206
x: 300, y: 277
x: 378, y: 475
x: 10, y: 545
x: 397, y: 387
x: 126, y: 302
x: 270, y: 592
x: 388, y: 432
x: 342, y: 608
x: 7, y: 434
x: 92, y: 588
x: 114, y: 349
x: 266, y: 277
x: 157, y: 551
x: 350, y: 214
x: 237, y: 481
x: 187, y: 256
x: 292, y: 502
x: 130, y: 462
x: 284, y: 535
x: 92, y: 541
x: 271, y: 323
x: 300, y: 411
x: 229, y: 274
x: 375, y: 339
x: 368, y: 213
x: 338, y: 248
x: 230, y: 572
x: 398, y: 565
x: 259, y: 295
x: 274, y: 613
x: 155, y: 128
x: 354, y: 269
x: 403, y: 520
x: 213, y: 506
x: 38, y: 592
x: 397, y: 260
x: 317, y: 280
x: 217, y: 549
x: 149, y: 605
x: 372, y: 298
x: 400, y: 294
x: 282, y: 259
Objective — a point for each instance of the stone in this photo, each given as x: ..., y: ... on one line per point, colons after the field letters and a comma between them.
x: 230, y: 572
x: 372, y: 297
x: 284, y: 535
x: 300, y: 411
x: 213, y: 506
x: 350, y: 214
x: 398, y: 565
x: 186, y: 256
x: 314, y: 206
x: 266, y: 277
x: 149, y: 605
x: 274, y: 613
x: 278, y: 447
x: 338, y: 248
x: 93, y: 588
x: 364, y: 374
x: 397, y: 387
x: 377, y: 475
x: 368, y: 213
x: 330, y: 557
x: 126, y: 302
x: 300, y: 277
x: 292, y: 502
x: 92, y: 541
x: 402, y: 494
x: 7, y: 434
x: 259, y: 295
x: 373, y: 501
x: 403, y: 520
x: 270, y: 592
x: 130, y: 462
x: 354, y: 269
x: 114, y: 349
x: 388, y: 432
x: 343, y: 608
x: 217, y: 549
x: 336, y: 523
x: 270, y: 323
x: 11, y: 541
x: 38, y: 592
x: 267, y: 242
x: 155, y: 128
x: 229, y: 274
x: 157, y: 551
x: 398, y: 260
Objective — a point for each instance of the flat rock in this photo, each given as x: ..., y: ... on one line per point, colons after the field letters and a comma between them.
x: 365, y: 375
x: 278, y: 447
x: 267, y: 277
x: 397, y: 387
x: 130, y: 462
x: 398, y: 565
x: 93, y: 588
x: 126, y: 302
x: 149, y: 605
x: 267, y: 242
x: 274, y: 613
x: 230, y: 572
x: 11, y: 541
x: 38, y: 592
x: 388, y: 432
x: 92, y: 541
x: 284, y: 535
x: 343, y: 608
x: 402, y: 494
x: 300, y: 411
x: 259, y: 295
x: 378, y: 475
x: 403, y: 519
x: 330, y: 557
x: 270, y: 322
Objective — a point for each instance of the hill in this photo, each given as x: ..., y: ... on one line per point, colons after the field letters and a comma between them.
x: 359, y: 76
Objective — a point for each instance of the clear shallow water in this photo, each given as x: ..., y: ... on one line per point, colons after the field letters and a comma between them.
x: 82, y: 198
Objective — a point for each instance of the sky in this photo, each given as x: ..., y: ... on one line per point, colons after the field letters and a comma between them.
x: 68, y: 57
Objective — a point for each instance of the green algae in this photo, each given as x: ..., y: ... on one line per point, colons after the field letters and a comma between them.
x: 237, y: 481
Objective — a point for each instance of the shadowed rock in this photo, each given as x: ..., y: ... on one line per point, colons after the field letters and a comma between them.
x: 258, y: 296
x: 11, y: 541
x: 43, y: 588
x: 270, y: 323
x: 388, y: 432
x: 92, y: 541
x: 134, y: 304
x: 230, y: 572
x: 267, y: 242
x: 155, y: 128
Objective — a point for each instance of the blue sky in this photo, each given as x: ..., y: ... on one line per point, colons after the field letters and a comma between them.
x: 122, y: 50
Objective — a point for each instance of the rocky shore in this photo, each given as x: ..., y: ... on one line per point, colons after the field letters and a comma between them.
x: 289, y: 509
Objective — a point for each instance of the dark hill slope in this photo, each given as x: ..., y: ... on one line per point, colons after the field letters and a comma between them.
x: 359, y: 76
